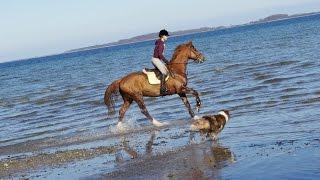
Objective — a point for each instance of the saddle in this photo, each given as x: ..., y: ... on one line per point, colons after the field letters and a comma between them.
x: 154, y: 76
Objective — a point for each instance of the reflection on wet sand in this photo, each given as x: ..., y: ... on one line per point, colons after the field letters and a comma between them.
x: 125, y: 147
x: 150, y: 143
x: 204, y: 160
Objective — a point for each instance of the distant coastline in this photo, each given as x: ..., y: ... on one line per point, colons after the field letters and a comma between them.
x: 151, y: 36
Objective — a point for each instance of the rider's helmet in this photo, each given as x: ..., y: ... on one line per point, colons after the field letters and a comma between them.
x: 163, y: 32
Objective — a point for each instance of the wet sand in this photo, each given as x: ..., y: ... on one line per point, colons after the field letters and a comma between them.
x: 10, y: 166
x: 216, y: 162
x: 147, y: 153
x: 194, y: 161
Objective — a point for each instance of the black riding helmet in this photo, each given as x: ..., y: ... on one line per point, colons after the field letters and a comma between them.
x: 163, y: 32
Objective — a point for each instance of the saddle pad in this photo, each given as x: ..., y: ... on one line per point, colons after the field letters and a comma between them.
x: 152, y: 78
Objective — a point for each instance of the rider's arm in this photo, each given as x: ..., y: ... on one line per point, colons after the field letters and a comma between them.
x: 160, y: 49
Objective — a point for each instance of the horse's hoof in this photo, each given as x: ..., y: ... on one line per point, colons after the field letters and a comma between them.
x: 158, y: 124
x: 120, y: 126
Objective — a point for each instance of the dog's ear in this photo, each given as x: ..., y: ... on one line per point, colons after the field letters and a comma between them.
x: 226, y: 111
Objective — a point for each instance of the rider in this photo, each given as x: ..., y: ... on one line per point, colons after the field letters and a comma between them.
x: 158, y: 59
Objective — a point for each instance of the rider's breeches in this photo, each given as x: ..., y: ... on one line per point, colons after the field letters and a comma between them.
x: 160, y: 65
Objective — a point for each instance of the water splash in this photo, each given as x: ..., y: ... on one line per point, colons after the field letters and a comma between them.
x: 128, y: 124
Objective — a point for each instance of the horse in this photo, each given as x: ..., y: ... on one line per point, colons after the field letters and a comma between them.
x: 135, y: 86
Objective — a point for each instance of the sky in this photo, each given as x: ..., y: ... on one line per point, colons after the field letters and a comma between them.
x: 36, y: 28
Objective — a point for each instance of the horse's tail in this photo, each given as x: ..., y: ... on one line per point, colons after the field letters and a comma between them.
x: 109, y: 95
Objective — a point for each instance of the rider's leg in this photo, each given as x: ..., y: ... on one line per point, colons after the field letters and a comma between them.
x: 146, y: 70
x: 163, y: 88
x: 164, y: 71
x: 160, y: 65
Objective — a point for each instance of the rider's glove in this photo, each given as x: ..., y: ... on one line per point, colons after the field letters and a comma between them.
x: 165, y: 61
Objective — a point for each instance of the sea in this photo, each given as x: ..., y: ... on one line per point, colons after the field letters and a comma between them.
x: 267, y: 75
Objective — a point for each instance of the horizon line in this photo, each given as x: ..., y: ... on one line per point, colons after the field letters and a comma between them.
x: 136, y: 42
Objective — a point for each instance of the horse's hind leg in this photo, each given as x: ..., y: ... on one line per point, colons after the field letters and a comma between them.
x: 124, y: 107
x: 143, y: 107
x: 144, y: 111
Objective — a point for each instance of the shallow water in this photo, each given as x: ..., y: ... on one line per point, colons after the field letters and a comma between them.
x: 266, y: 74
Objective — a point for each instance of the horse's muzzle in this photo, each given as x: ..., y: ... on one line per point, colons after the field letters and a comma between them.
x: 201, y: 59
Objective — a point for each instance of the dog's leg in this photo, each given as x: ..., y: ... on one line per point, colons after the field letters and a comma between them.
x: 192, y: 139
x: 214, y: 137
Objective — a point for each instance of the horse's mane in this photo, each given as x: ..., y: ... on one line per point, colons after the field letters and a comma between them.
x: 177, y: 51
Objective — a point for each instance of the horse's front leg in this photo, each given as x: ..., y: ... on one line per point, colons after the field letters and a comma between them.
x: 188, y: 90
x: 185, y: 101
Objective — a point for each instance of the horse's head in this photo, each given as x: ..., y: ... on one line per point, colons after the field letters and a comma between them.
x: 187, y: 51
x: 194, y: 54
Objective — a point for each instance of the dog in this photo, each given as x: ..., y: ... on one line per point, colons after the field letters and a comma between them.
x: 211, y: 124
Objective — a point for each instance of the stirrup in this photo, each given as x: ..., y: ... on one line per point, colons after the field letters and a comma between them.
x: 163, y: 92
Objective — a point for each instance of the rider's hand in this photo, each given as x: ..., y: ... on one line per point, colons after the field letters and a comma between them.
x: 166, y: 61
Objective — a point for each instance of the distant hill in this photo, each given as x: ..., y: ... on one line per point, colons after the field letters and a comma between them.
x: 276, y: 17
x: 272, y: 18
x: 151, y: 36
x: 146, y: 37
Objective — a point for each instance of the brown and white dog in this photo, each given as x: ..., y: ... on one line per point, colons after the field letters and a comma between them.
x: 211, y: 124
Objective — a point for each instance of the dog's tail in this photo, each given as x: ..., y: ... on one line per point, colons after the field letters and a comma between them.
x: 109, y: 95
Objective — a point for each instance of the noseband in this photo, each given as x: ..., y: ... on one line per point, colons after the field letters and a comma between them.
x: 197, y: 55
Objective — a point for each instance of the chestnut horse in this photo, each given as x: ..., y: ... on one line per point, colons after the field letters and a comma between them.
x: 134, y: 86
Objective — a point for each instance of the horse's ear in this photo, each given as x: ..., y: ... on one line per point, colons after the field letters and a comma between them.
x: 189, y: 43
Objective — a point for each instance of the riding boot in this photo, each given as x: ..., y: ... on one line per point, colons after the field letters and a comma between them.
x: 163, y: 89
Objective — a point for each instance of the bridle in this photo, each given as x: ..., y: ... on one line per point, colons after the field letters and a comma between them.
x: 198, y: 60
x: 198, y: 55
